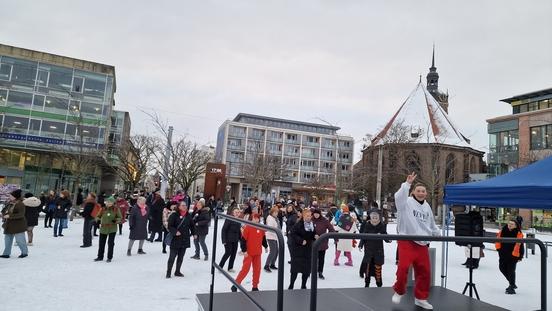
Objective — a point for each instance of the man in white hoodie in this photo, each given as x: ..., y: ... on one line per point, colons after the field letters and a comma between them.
x: 415, y: 218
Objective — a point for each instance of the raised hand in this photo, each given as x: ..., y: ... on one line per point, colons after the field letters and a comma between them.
x: 410, y: 178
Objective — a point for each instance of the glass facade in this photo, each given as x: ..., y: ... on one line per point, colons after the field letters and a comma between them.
x: 43, y: 105
x: 532, y: 106
x: 541, y: 137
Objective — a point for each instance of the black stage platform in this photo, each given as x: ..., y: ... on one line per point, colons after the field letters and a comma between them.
x: 344, y: 299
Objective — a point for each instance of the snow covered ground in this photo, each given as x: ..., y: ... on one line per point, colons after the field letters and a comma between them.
x: 58, y: 275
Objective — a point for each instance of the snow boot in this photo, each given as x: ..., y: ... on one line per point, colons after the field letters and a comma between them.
x: 350, y: 259
x: 336, y: 261
x: 141, y: 252
x: 178, y: 273
x: 128, y: 252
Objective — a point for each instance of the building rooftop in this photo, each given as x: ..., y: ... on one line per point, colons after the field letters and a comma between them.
x: 527, y: 95
x: 59, y: 60
x: 250, y: 119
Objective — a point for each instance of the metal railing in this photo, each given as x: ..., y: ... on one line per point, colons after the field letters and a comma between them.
x: 365, y: 236
x: 281, y: 260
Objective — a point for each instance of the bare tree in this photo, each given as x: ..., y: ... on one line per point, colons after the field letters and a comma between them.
x: 262, y: 170
x: 135, y: 159
x: 189, y: 162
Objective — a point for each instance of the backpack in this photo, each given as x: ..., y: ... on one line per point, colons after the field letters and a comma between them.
x: 96, y: 210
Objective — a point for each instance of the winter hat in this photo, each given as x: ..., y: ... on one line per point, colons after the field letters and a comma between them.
x: 111, y: 199
x: 316, y: 211
x: 32, y: 202
x: 16, y: 194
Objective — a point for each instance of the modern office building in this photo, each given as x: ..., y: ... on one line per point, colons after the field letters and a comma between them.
x: 523, y: 137
x: 308, y: 157
x: 51, y: 105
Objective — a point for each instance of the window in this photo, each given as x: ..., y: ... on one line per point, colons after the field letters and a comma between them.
x: 74, y: 106
x: 42, y: 78
x: 60, y: 78
x: 345, y: 156
x: 450, y: 168
x: 515, y: 109
x: 16, y: 124
x: 5, y: 72
x: 292, y: 137
x: 235, y: 142
x: 533, y: 106
x: 56, y: 129
x: 276, y: 135
x: 328, y: 165
x: 345, y: 167
x: 311, y: 139
x: 3, y: 97
x: 523, y: 108
x: 38, y: 103
x: 70, y: 131
x: 78, y: 83
x: 94, y: 84
x: 543, y: 104
x: 541, y: 137
x: 23, y: 73
x: 88, y: 131
x: 329, y: 154
x: 56, y: 105
x: 309, y: 163
x: 20, y: 99
x: 34, y: 127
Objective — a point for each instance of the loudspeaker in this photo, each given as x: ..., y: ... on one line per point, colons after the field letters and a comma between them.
x: 470, y: 224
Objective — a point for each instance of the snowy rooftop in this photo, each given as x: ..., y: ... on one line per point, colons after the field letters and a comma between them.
x: 421, y: 119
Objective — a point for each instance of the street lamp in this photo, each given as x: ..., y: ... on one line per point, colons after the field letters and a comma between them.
x: 228, y: 188
x: 273, y: 195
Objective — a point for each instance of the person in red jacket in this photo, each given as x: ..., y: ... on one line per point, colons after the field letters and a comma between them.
x: 251, y: 244
x: 123, y: 206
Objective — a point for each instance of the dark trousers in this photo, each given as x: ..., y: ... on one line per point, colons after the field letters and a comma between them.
x: 96, y: 226
x: 48, y: 219
x: 230, y: 250
x: 273, y: 255
x: 304, y: 279
x: 152, y: 236
x: 58, y: 226
x: 110, y: 238
x: 321, y: 256
x: 177, y: 253
x: 87, y: 232
x: 164, y: 246
x: 201, y: 241
x: 508, y: 268
x: 120, y: 228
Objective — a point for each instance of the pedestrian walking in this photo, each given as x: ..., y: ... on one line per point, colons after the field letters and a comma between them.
x: 230, y: 235
x: 63, y: 206
x: 181, y: 227
x: 138, y: 224
x: 302, y: 236
x: 252, y: 241
x: 415, y: 218
x: 109, y: 217
x: 272, y: 239
x: 14, y: 224
x: 202, y: 221
x: 321, y: 226
x: 509, y: 254
x: 33, y: 205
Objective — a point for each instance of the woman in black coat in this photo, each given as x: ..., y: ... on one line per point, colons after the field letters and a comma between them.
x: 290, y: 219
x: 302, y: 235
x: 230, y: 238
x: 181, y: 227
x: 509, y: 254
x: 373, y: 249
x: 63, y: 206
x: 138, y: 224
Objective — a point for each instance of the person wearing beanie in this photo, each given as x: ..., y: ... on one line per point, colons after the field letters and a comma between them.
x: 63, y: 206
x: 15, y: 225
x: 345, y: 224
x: 509, y: 254
x: 109, y: 217
x: 373, y: 259
x: 33, y: 206
x: 252, y: 241
x: 321, y: 226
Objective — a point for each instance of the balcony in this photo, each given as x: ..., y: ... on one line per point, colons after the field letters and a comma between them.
x: 236, y: 147
x: 311, y: 144
x: 292, y: 142
x: 309, y: 156
x: 237, y: 134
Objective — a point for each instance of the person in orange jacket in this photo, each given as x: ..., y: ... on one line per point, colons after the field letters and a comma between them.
x: 251, y: 244
x: 510, y: 253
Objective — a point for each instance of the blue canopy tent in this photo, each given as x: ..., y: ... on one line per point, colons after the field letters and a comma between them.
x: 527, y: 187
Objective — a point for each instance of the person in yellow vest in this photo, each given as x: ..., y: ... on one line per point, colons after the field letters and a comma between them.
x: 510, y: 253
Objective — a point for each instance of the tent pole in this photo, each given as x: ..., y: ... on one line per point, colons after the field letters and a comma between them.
x: 443, y: 228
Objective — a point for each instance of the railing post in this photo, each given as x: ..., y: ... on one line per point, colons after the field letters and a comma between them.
x: 213, y: 256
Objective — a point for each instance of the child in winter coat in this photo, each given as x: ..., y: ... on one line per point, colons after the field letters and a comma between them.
x: 373, y: 249
x: 345, y: 224
x: 252, y: 240
x: 415, y: 217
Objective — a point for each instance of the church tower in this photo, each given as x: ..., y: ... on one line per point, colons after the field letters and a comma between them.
x: 433, y: 84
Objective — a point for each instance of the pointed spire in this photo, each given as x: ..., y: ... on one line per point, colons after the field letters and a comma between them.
x: 433, y: 57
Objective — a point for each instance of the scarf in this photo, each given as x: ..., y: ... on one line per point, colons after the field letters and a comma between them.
x: 309, y: 226
x: 183, y: 213
x: 142, y: 210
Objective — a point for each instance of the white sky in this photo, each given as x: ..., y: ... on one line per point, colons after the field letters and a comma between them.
x: 350, y: 62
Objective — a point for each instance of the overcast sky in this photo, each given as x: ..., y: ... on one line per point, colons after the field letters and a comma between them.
x: 350, y: 62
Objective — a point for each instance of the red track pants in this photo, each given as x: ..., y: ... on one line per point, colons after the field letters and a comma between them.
x: 416, y: 255
x: 247, y: 261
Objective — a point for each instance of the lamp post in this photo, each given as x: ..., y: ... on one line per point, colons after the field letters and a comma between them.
x: 228, y: 188
x: 273, y: 192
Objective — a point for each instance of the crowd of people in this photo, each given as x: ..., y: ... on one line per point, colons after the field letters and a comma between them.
x: 180, y: 219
